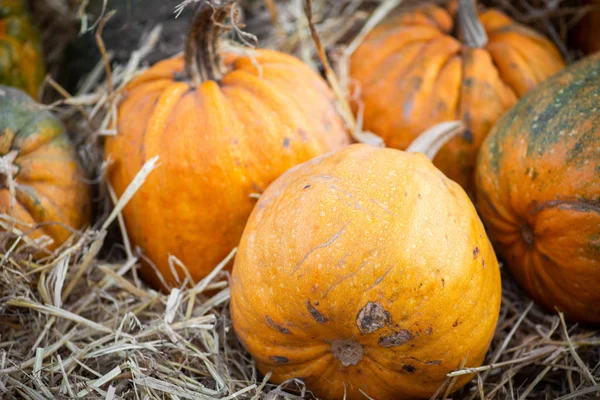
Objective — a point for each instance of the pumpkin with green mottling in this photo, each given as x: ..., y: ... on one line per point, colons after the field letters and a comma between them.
x: 21, y: 57
x: 538, y: 190
x: 43, y: 191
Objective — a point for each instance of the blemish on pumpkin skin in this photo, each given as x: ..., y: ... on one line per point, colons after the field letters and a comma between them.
x: 280, y: 359
x: 443, y: 282
x: 306, y: 187
x: 320, y: 318
x: 409, y: 368
x: 468, y: 136
x: 429, y: 331
x: 281, y: 329
x: 347, y: 351
x: 455, y: 324
x: 475, y: 252
x: 372, y: 317
x: 434, y: 362
x: 527, y: 235
x: 286, y: 142
x: 322, y: 245
x: 303, y: 134
x: 399, y: 338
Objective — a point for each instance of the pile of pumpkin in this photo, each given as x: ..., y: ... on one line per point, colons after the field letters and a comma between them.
x: 359, y: 269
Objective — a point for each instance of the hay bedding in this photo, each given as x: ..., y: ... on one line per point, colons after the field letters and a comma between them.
x: 81, y: 324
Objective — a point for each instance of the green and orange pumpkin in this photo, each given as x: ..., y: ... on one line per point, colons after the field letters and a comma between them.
x: 412, y: 72
x: 538, y: 191
x: 43, y: 190
x: 367, y: 274
x: 224, y: 126
x: 21, y: 56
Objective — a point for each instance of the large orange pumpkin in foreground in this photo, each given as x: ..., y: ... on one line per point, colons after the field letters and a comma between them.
x: 40, y: 166
x: 538, y: 190
x: 220, y: 137
x: 365, y: 271
x: 412, y: 73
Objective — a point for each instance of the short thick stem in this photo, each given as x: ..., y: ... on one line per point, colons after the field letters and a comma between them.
x: 202, y: 61
x: 468, y: 19
x: 433, y: 139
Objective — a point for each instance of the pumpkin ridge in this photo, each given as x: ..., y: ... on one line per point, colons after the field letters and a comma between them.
x: 159, y: 118
x: 40, y: 214
x: 507, y: 83
x: 392, y: 73
x: 427, y: 12
x: 581, y: 204
x: 261, y: 88
x: 259, y: 108
x: 540, y: 279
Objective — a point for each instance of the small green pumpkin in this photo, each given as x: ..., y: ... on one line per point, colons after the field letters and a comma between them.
x: 21, y: 56
x: 43, y: 190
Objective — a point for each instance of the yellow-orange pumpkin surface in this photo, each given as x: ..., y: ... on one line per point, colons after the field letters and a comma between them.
x: 365, y: 270
x: 538, y: 190
x: 21, y: 56
x: 219, y: 140
x: 51, y: 196
x: 412, y: 73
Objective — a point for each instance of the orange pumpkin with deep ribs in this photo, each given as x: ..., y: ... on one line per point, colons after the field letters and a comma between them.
x: 411, y: 72
x: 223, y: 131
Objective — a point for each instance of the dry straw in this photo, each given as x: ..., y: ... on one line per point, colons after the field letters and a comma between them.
x: 81, y: 324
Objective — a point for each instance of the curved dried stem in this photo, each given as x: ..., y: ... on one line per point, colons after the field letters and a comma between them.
x: 202, y: 61
x: 468, y: 19
x: 433, y: 139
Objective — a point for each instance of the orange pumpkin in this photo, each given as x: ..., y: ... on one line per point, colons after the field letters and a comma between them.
x: 538, y: 190
x: 222, y: 133
x: 42, y: 187
x: 365, y: 272
x: 21, y: 57
x: 411, y: 72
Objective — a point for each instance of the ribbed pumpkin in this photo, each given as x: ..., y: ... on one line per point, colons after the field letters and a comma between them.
x: 51, y: 196
x: 411, y: 72
x: 365, y: 271
x: 21, y: 56
x: 220, y: 137
x: 538, y: 190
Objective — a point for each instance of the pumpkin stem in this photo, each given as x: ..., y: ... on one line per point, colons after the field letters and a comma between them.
x: 202, y: 61
x: 473, y: 32
x: 433, y: 139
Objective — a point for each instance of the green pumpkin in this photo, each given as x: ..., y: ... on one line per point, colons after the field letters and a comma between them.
x: 21, y: 55
x: 50, y: 196
x: 538, y: 190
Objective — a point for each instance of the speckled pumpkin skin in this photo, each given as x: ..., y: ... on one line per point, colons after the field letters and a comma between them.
x: 52, y: 196
x: 412, y: 73
x: 538, y: 191
x: 21, y: 56
x: 218, y: 143
x: 372, y: 258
